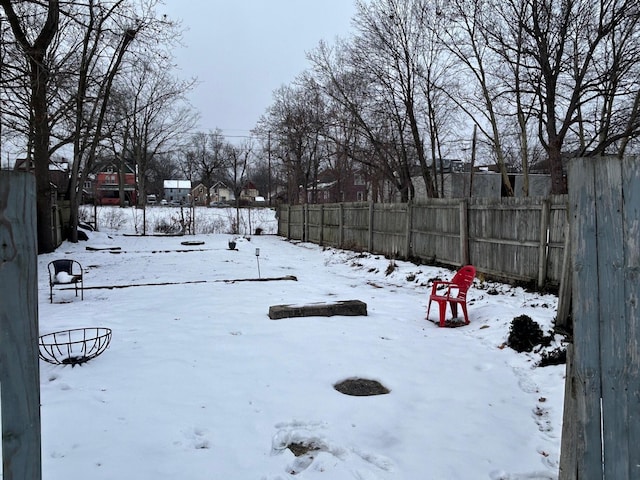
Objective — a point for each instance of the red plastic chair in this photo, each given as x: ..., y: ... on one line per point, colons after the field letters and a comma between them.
x: 454, y: 295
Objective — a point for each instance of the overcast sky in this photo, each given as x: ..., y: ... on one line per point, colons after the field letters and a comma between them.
x: 243, y: 50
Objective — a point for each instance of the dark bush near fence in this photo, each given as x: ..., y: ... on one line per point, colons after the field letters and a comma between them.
x: 524, y: 334
x: 557, y: 356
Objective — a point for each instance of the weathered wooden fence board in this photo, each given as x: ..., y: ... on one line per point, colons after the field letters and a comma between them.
x: 435, y: 231
x: 521, y: 239
x: 586, y: 375
x: 631, y: 229
x: 19, y: 369
x: 558, y: 230
x: 332, y: 224
x: 611, y: 317
x: 504, y: 236
x: 315, y: 225
x: 356, y: 226
x: 389, y: 229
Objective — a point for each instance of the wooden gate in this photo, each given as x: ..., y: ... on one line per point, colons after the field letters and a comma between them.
x: 601, y: 427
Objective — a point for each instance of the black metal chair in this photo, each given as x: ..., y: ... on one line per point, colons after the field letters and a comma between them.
x: 66, y: 272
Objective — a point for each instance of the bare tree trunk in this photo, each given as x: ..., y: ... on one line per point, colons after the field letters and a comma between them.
x: 558, y: 185
x: 40, y: 129
x: 127, y: 37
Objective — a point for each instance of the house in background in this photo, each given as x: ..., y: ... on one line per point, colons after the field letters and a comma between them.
x: 106, y: 185
x: 351, y: 187
x: 177, y: 191
x: 219, y: 192
x: 249, y: 193
x: 199, y: 194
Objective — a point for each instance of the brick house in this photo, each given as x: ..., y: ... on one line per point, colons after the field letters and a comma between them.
x: 348, y: 188
x: 106, y: 185
x: 199, y: 194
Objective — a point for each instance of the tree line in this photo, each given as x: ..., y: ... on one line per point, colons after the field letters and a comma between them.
x: 520, y: 84
x: 88, y: 81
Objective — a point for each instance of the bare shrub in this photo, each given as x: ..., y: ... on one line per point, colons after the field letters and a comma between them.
x: 112, y: 218
x: 217, y: 225
x: 390, y: 268
x: 137, y: 220
x: 167, y: 226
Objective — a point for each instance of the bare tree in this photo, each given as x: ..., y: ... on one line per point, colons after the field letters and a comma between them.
x: 153, y: 116
x: 34, y: 25
x: 295, y: 122
x: 90, y: 111
x: 535, y: 78
x: 437, y: 70
x: 207, y: 153
x: 506, y: 37
x: 391, y: 37
x: 374, y: 141
x: 237, y: 172
x: 479, y: 92
x: 577, y: 46
x: 74, y: 70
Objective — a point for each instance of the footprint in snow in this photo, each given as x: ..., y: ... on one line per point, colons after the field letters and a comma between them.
x: 310, y: 447
x: 197, y: 438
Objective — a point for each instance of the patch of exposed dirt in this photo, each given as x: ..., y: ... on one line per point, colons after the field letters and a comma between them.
x: 300, y: 449
x: 361, y: 387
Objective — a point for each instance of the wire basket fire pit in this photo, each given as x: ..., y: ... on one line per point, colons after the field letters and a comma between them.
x: 75, y: 346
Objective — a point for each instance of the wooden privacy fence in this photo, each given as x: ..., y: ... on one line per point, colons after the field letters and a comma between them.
x: 514, y: 239
x: 19, y: 368
x: 601, y: 424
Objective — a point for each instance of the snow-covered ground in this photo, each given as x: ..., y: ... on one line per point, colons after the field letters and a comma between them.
x: 165, y: 219
x: 199, y: 383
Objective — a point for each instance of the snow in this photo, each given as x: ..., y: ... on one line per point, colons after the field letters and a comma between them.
x: 64, y: 277
x: 198, y: 383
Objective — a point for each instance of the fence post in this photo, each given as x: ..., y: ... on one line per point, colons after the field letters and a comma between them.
x: 19, y: 369
x: 564, y: 292
x: 305, y: 222
x: 464, y: 232
x: 321, y: 225
x: 544, y: 242
x: 370, y: 232
x: 409, y: 225
x: 340, y: 225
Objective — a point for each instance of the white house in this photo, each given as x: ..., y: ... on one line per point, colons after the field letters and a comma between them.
x: 177, y: 191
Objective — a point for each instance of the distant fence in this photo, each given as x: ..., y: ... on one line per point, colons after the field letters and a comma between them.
x: 514, y: 239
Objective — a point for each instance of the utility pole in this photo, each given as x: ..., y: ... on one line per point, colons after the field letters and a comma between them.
x: 269, y: 166
x: 473, y: 158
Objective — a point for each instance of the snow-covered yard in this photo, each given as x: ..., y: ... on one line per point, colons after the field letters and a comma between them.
x: 198, y: 383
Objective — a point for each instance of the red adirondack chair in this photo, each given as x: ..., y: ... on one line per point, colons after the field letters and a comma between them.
x: 454, y: 293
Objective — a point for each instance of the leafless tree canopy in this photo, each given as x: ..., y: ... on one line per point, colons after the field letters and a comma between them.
x: 78, y: 79
x: 521, y: 85
x: 541, y: 81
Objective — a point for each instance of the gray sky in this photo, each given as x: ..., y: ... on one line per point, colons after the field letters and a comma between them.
x: 243, y: 50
